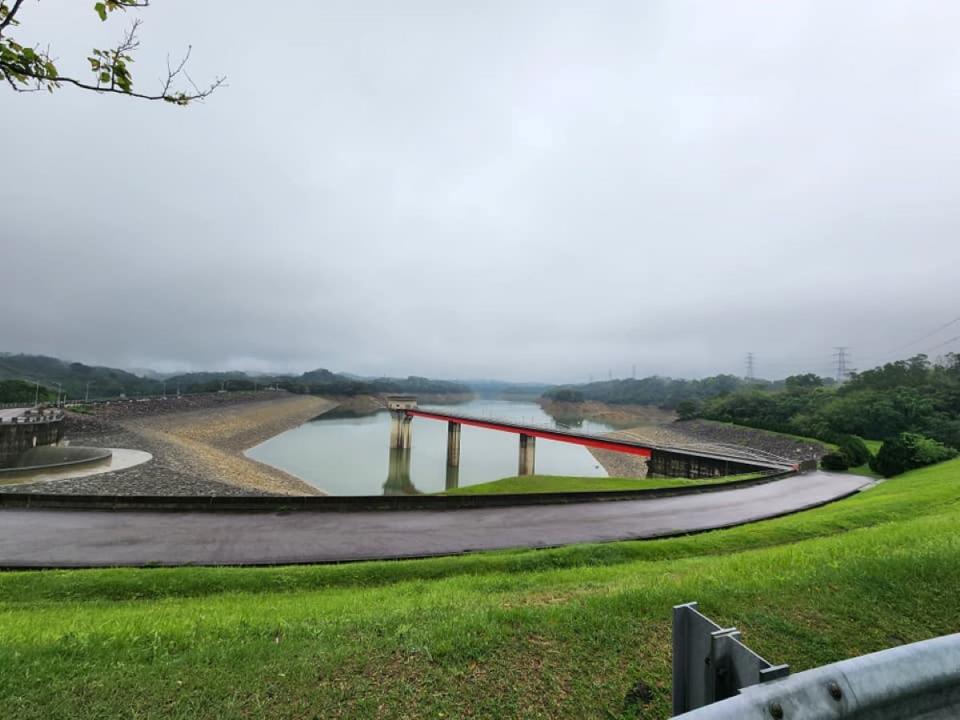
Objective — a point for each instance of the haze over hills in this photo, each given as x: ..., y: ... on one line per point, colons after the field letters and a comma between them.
x: 78, y: 380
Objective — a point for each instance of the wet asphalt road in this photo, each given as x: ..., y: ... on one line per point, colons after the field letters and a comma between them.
x: 65, y: 538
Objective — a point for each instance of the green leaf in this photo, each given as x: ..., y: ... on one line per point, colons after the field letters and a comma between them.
x: 101, y: 10
x: 105, y: 77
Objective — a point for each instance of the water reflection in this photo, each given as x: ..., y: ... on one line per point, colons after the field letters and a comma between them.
x: 398, y: 473
x: 567, y: 418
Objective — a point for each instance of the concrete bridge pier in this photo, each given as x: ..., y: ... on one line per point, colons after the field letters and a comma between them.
x: 527, y: 454
x: 400, y: 431
x: 453, y: 444
x: 453, y: 477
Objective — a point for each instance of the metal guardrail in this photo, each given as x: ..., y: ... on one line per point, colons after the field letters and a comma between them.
x: 32, y: 418
x: 139, y: 398
x: 920, y: 681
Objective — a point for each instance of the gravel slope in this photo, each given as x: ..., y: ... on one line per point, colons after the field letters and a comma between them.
x: 197, y: 446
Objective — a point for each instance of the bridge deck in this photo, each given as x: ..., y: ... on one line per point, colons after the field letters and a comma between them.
x: 624, y: 446
x: 613, y: 443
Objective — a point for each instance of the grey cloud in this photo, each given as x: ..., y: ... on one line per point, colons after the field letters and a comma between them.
x: 516, y: 190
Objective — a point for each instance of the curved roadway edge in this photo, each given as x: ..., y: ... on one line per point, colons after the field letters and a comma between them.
x: 70, y: 539
x: 353, y: 503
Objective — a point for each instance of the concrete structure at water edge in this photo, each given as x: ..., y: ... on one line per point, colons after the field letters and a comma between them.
x: 23, y: 429
x: 700, y: 461
x: 399, y: 405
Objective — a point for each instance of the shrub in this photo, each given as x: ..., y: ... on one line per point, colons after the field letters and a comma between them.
x: 835, y: 461
x: 907, y: 451
x: 855, y: 449
x: 688, y: 409
x: 566, y: 395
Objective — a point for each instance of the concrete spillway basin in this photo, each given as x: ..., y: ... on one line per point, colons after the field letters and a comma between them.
x: 53, y: 462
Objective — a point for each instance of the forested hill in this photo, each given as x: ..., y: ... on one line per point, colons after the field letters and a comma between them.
x: 76, y: 379
x: 73, y: 376
x: 655, y: 390
x: 912, y: 396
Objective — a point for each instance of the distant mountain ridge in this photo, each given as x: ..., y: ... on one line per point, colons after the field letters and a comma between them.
x: 73, y: 377
x: 77, y: 379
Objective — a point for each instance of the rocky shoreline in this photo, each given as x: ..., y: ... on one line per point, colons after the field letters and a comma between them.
x: 197, y: 445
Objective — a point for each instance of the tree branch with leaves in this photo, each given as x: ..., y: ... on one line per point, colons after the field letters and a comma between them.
x: 30, y: 69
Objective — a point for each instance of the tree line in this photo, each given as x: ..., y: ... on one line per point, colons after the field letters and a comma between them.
x: 78, y: 381
x: 912, y: 405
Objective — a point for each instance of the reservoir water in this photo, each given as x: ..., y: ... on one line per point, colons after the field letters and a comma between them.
x: 351, y: 455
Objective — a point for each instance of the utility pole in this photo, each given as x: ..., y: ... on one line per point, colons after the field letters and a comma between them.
x: 842, y: 356
x: 86, y: 398
x: 36, y: 394
x: 59, y: 387
x: 634, y: 371
x: 750, y: 375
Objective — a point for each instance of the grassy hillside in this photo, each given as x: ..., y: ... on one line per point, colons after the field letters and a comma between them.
x: 568, y: 633
x: 558, y: 483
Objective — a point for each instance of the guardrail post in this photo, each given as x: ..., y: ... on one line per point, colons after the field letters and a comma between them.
x: 710, y: 663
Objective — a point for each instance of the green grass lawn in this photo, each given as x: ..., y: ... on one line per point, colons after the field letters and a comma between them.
x: 563, y: 633
x: 557, y: 483
x: 865, y: 471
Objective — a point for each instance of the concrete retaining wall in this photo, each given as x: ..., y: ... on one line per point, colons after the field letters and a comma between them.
x: 332, y: 503
x: 18, y: 437
x: 52, y: 458
x: 664, y: 463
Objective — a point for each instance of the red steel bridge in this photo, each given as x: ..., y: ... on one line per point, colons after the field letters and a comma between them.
x: 672, y: 461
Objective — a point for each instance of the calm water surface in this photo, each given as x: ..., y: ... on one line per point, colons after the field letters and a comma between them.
x: 351, y: 456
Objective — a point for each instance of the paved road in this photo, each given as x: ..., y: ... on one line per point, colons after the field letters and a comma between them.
x: 54, y: 538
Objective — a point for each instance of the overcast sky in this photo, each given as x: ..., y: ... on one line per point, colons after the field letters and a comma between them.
x: 517, y: 190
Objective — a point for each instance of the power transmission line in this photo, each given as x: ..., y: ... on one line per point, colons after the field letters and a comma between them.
x: 945, y: 342
x: 928, y: 335
x: 750, y: 375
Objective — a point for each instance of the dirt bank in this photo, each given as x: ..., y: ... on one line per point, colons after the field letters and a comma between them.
x: 211, y: 441
x: 618, y: 416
